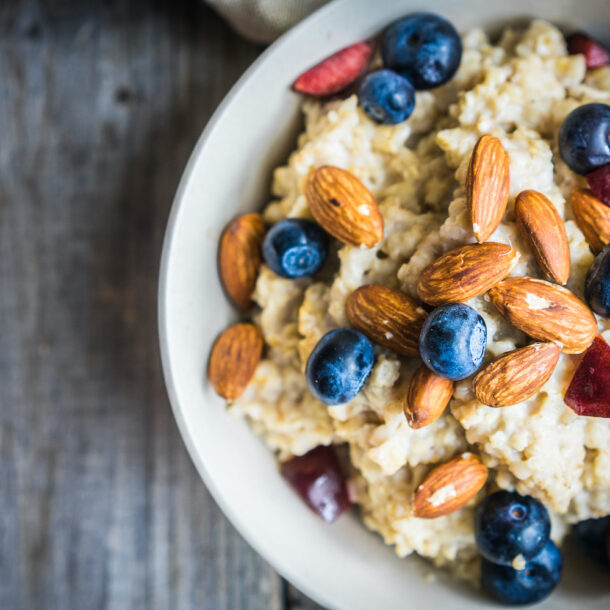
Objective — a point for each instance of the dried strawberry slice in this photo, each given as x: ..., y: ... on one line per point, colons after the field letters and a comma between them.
x: 596, y: 55
x: 599, y: 182
x: 337, y: 71
x: 589, y: 390
x: 317, y: 478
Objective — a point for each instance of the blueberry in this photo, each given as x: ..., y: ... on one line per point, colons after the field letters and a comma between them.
x: 536, y: 581
x: 339, y: 365
x: 507, y: 524
x: 424, y: 48
x: 584, y: 138
x: 387, y: 97
x: 597, y: 285
x: 295, y: 248
x: 593, y: 538
x: 453, y: 340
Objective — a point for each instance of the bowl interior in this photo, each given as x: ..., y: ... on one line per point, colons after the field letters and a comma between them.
x: 343, y: 565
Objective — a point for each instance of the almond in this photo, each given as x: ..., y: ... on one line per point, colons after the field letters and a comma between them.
x: 487, y: 184
x: 239, y: 257
x: 517, y: 375
x: 544, y: 231
x: 344, y: 207
x: 387, y: 317
x: 592, y: 218
x: 546, y: 312
x: 234, y: 359
x: 466, y: 272
x: 427, y: 397
x: 449, y: 486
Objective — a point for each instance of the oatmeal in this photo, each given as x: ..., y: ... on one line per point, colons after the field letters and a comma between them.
x: 519, y: 91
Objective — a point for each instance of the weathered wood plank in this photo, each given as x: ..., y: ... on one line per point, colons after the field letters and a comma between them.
x: 100, y: 506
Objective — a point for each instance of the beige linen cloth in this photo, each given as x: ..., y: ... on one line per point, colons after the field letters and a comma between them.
x: 264, y: 20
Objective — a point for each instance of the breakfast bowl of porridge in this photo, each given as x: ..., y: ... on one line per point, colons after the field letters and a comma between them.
x: 385, y: 305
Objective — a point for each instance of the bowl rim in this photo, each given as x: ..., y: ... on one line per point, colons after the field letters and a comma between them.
x: 162, y: 296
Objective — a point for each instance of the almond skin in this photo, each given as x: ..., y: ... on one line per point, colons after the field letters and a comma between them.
x: 466, y: 272
x: 427, y: 397
x: 517, y: 375
x: 543, y: 230
x: 344, y: 207
x: 592, y: 218
x: 487, y: 184
x: 387, y: 317
x: 449, y: 486
x: 546, y: 312
x: 239, y: 257
x: 234, y: 359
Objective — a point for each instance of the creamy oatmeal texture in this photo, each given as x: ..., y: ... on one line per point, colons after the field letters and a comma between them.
x: 519, y: 90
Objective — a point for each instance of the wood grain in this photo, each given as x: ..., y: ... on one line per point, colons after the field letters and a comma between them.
x: 100, y: 506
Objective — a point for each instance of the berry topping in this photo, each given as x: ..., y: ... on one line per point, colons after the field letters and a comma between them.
x: 507, y: 525
x: 584, y: 138
x: 387, y: 97
x: 453, y: 341
x: 599, y: 183
x: 596, y: 55
x: 597, y: 284
x: 589, y: 390
x: 317, y: 478
x: 593, y: 538
x: 295, y: 248
x: 339, y: 365
x: 424, y: 48
x: 336, y: 72
x: 539, y: 576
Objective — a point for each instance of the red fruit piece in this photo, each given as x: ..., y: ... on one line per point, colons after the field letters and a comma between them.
x: 596, y: 55
x: 336, y: 72
x: 599, y: 182
x: 589, y: 391
x: 317, y: 478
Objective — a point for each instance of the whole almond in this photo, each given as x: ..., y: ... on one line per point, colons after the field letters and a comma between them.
x: 592, y: 218
x: 544, y: 231
x: 387, y: 317
x: 487, y: 184
x: 239, y: 257
x: 234, y: 359
x: 427, y: 397
x: 466, y: 272
x: 517, y: 375
x: 344, y: 207
x: 449, y: 486
x: 546, y: 312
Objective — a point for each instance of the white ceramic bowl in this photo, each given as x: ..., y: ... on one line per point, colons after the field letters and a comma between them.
x: 343, y: 565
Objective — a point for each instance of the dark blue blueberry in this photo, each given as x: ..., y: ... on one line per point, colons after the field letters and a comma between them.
x: 584, y: 138
x: 507, y: 524
x: 536, y: 581
x: 339, y: 365
x: 593, y: 538
x: 295, y: 248
x: 387, y: 97
x: 597, y: 285
x: 453, y: 341
x: 423, y: 47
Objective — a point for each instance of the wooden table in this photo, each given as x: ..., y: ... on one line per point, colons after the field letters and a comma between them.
x: 100, y: 507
